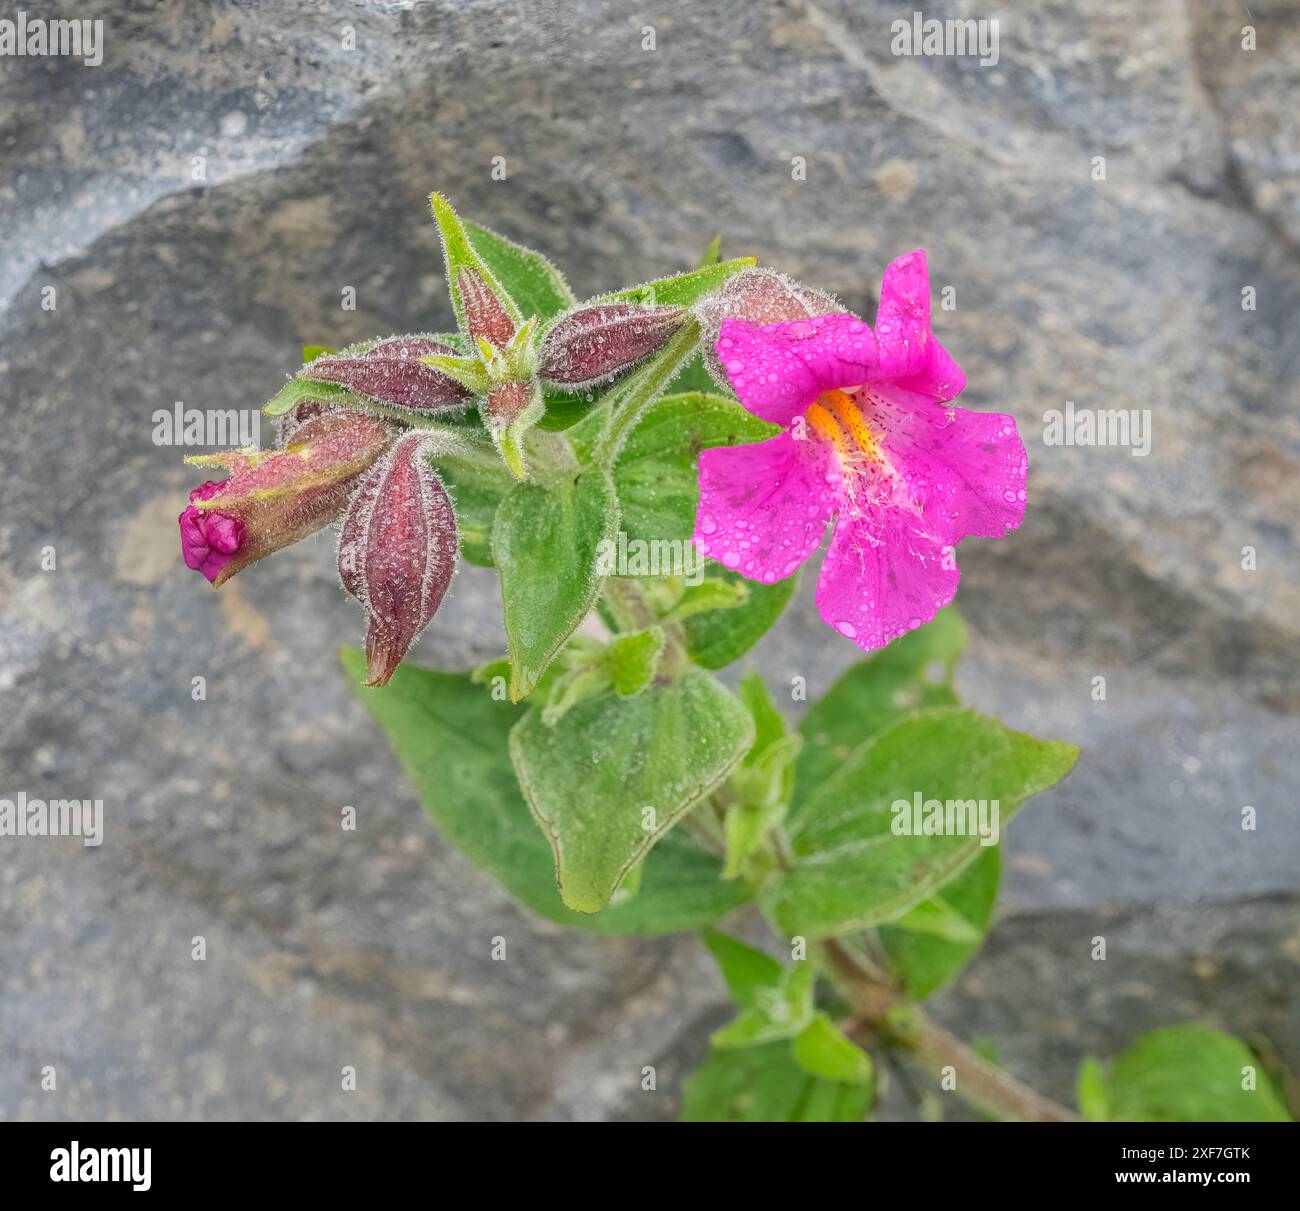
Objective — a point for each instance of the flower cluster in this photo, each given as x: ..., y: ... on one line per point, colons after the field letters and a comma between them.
x: 869, y: 439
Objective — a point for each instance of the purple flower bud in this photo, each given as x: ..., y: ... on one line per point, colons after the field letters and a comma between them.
x: 761, y: 296
x: 397, y: 551
x: 275, y: 497
x: 391, y: 373
x: 593, y: 344
x: 484, y: 315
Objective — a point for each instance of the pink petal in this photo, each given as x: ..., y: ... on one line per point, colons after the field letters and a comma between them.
x: 965, y: 471
x: 209, y: 540
x: 883, y: 577
x: 764, y: 507
x: 777, y: 370
x: 910, y: 356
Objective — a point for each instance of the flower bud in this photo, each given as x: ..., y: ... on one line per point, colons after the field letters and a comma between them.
x: 593, y: 344
x: 275, y: 497
x: 485, y: 317
x: 509, y: 411
x: 761, y: 296
x: 391, y: 373
x: 397, y: 551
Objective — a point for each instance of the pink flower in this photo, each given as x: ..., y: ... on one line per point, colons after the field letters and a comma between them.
x: 209, y: 540
x: 869, y: 440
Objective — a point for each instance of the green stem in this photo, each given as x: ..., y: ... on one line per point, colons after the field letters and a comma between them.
x: 879, y: 1011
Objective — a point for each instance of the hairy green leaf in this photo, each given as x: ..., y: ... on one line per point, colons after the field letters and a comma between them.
x: 767, y: 1085
x: 545, y: 542
x: 743, y: 968
x: 299, y: 390
x: 633, y: 658
x: 477, y: 487
x: 656, y: 474
x: 823, y: 1050
x: 931, y: 943
x: 531, y: 280
x: 615, y: 774
x: 913, y: 672
x: 851, y: 869
x: 1186, y: 1074
x: 779, y: 1011
x: 680, y: 289
x: 452, y: 738
x: 717, y: 638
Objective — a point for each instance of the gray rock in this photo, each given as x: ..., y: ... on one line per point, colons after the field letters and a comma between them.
x: 372, y: 948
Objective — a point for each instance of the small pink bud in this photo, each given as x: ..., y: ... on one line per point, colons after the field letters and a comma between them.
x: 593, y: 344
x: 275, y: 497
x: 485, y: 317
x: 391, y: 373
x: 397, y: 551
x: 506, y: 402
x: 761, y: 296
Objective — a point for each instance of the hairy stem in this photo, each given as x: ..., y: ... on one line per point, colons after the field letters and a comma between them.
x: 880, y: 1011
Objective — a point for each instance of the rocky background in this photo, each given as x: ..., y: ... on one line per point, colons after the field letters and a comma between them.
x: 371, y: 948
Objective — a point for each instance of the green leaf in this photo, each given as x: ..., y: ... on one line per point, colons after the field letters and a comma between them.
x: 823, y: 1050
x: 769, y: 723
x: 531, y: 280
x: 766, y: 1085
x: 460, y: 254
x: 564, y: 409
x: 633, y: 658
x: 743, y: 968
x: 680, y: 289
x: 311, y: 352
x: 912, y: 673
x: 761, y: 786
x: 477, y: 487
x: 718, y: 638
x: 452, y: 739
x: 656, y: 473
x: 615, y: 774
x: 569, y: 689
x: 1090, y: 1090
x: 693, y: 377
x: 1186, y: 1074
x: 931, y: 943
x: 781, y: 1011
x: 709, y: 594
x: 298, y: 390
x: 850, y: 870
x: 545, y: 541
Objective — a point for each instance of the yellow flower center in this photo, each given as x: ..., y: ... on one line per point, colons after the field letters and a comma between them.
x: 837, y: 418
